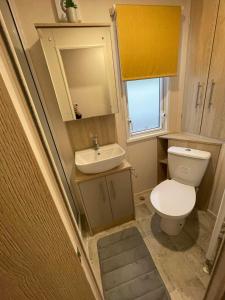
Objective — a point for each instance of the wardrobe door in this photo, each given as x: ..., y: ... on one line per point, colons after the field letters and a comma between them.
x: 213, y: 124
x: 202, y: 28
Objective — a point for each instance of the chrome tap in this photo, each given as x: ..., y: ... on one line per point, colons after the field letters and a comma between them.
x: 95, y: 142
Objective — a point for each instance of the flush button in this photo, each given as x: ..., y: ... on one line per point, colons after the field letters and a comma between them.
x: 187, y: 149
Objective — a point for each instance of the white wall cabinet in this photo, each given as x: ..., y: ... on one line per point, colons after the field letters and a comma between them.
x: 80, y: 63
x: 204, y: 105
x: 108, y: 200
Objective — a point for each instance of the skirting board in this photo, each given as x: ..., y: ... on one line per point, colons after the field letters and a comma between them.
x: 143, y: 192
x: 212, y: 214
x: 137, y: 196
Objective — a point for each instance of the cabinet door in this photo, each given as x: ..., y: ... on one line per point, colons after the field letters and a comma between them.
x: 80, y: 63
x: 121, y: 196
x: 213, y: 124
x: 202, y: 28
x: 96, y: 202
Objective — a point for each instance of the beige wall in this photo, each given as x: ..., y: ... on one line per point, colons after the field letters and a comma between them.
x: 142, y: 155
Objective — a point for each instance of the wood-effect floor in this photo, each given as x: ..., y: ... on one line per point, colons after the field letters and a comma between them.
x: 179, y: 259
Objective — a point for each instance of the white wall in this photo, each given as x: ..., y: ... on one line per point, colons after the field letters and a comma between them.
x: 142, y: 155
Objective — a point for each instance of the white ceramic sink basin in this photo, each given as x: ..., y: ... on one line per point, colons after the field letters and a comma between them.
x: 92, y: 161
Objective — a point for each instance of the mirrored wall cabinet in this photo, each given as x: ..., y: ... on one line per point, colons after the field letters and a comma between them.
x: 80, y: 63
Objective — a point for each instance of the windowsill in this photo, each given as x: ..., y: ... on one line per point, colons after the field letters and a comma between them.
x: 146, y: 136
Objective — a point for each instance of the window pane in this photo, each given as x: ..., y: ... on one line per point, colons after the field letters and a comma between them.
x: 144, y: 104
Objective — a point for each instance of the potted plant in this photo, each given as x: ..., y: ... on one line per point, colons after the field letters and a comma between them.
x: 69, y: 7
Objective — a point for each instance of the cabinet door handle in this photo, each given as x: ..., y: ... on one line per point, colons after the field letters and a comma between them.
x: 102, y: 191
x: 211, y: 93
x: 113, y: 191
x: 197, y: 103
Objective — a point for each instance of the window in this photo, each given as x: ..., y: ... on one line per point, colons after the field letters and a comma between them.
x: 145, y: 105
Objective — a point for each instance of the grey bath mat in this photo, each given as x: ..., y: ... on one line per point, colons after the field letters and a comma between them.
x: 127, y: 269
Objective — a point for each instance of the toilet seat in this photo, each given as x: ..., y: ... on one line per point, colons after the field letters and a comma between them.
x: 172, y: 199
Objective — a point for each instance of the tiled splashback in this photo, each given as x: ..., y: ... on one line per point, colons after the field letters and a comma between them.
x: 81, y: 131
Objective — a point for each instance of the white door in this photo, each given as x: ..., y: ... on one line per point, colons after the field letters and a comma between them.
x: 96, y: 202
x: 121, y: 196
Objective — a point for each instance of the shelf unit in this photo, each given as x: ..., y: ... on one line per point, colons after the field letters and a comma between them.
x: 162, y: 160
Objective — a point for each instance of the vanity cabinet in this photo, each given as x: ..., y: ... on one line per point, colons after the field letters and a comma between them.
x: 204, y: 94
x: 107, y: 200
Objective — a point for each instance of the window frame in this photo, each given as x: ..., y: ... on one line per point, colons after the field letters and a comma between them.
x: 132, y: 137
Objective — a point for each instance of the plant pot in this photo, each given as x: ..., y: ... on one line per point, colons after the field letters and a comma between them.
x: 71, y: 15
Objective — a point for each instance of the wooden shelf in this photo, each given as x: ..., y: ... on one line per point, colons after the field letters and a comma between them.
x: 67, y: 24
x: 162, y: 146
x: 163, y: 161
x: 188, y: 137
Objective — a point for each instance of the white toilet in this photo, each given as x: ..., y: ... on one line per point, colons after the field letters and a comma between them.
x: 174, y: 199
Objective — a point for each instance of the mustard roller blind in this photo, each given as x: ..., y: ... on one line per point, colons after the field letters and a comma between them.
x: 148, y: 40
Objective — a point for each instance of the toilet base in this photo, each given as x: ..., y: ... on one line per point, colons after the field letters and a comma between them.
x: 171, y: 226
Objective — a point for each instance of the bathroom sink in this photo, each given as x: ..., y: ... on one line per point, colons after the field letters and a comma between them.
x: 92, y: 161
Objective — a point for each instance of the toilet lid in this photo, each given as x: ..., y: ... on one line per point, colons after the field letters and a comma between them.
x: 173, y: 199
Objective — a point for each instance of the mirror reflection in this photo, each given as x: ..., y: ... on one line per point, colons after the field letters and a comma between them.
x: 87, y: 81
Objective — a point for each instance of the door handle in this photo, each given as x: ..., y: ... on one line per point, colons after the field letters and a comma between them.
x: 210, y: 103
x: 113, y: 191
x: 197, y: 103
x: 102, y: 191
